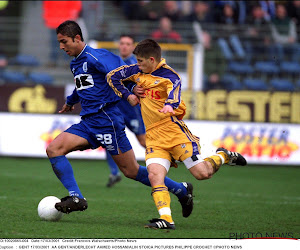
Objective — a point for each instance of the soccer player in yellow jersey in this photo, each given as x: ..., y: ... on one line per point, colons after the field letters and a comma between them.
x: 167, y: 136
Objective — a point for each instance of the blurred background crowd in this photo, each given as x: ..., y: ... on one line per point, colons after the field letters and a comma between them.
x: 247, y: 44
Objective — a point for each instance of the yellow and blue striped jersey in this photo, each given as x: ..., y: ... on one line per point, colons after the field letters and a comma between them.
x: 162, y: 87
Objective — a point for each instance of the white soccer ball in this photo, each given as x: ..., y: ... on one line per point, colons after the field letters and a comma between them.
x: 46, y: 209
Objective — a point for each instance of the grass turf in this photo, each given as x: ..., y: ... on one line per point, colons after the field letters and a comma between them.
x: 252, y: 199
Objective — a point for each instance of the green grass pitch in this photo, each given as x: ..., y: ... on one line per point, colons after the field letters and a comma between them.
x: 252, y: 199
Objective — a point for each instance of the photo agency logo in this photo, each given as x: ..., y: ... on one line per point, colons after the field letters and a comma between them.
x: 261, y: 235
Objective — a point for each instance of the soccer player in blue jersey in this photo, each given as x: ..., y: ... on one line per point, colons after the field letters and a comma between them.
x: 102, y: 123
x: 132, y: 114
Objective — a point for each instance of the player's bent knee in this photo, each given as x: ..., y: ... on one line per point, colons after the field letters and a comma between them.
x: 53, y: 150
x: 152, y: 177
x: 202, y: 176
x: 205, y: 176
x: 129, y: 173
x: 200, y: 172
x: 50, y: 151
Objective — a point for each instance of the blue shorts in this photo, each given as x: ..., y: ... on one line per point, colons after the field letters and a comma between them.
x: 132, y: 116
x: 105, y: 128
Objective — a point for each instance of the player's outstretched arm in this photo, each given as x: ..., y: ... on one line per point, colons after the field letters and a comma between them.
x: 133, y: 100
x: 167, y: 109
x: 66, y: 108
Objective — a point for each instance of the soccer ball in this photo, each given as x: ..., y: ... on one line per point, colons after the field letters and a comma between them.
x: 46, y: 209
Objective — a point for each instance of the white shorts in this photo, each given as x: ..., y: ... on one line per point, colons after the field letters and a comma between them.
x: 189, y: 162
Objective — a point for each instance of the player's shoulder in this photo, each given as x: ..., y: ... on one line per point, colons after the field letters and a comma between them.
x: 104, y: 53
x: 104, y: 56
x: 166, y: 71
x: 130, y: 69
x: 95, y: 54
x: 92, y: 54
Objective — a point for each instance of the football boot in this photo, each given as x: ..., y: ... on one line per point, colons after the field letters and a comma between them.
x: 70, y: 204
x: 186, y: 201
x: 234, y: 157
x: 160, y: 224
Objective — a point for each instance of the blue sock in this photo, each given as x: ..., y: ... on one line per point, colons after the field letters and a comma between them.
x: 174, y: 187
x: 64, y: 172
x: 114, y: 170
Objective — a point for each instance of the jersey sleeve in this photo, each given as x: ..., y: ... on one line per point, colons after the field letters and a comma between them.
x: 122, y: 79
x: 174, y: 91
x: 73, y: 98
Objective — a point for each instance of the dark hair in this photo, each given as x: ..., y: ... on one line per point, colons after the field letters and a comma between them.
x: 148, y: 48
x: 69, y: 28
x: 127, y: 35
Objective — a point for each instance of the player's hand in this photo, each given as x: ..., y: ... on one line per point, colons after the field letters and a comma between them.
x: 139, y: 91
x: 66, y: 108
x: 133, y: 100
x: 167, y: 109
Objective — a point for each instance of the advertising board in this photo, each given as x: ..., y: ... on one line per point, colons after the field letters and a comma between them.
x: 261, y: 143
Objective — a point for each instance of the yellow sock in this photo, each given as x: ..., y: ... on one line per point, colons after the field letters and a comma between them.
x: 225, y: 157
x: 217, y: 160
x: 162, y: 202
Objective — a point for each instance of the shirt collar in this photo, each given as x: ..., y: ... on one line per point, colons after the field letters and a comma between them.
x: 81, y: 52
x: 161, y: 63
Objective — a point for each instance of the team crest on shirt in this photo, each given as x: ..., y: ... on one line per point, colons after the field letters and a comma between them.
x: 183, y: 145
x: 156, y: 82
x: 84, y: 67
